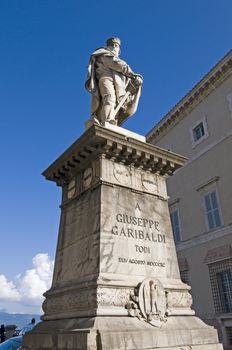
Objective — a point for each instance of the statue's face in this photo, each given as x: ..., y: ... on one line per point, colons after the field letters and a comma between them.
x: 115, y: 48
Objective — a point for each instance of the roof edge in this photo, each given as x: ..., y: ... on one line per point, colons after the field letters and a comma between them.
x: 218, y: 71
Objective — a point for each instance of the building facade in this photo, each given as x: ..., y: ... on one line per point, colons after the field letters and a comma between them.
x: 200, y: 128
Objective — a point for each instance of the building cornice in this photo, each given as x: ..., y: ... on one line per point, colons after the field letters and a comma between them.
x: 219, y: 73
x: 204, y: 238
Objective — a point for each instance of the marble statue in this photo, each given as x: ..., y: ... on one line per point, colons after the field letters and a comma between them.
x: 116, y: 283
x: 115, y: 89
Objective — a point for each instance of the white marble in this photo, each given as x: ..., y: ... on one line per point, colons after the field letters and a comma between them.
x: 126, y: 132
x: 117, y: 129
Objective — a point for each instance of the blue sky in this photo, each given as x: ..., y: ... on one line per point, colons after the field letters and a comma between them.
x: 44, y: 52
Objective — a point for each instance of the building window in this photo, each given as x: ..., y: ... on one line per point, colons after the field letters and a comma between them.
x: 229, y: 102
x: 212, y: 210
x: 175, y: 220
x: 220, y: 274
x: 224, y: 279
x: 198, y: 132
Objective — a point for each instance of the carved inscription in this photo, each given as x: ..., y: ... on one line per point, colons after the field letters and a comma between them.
x: 141, y: 262
x: 150, y: 182
x: 71, y: 189
x: 121, y: 174
x: 143, y: 229
x: 87, y: 177
x: 146, y: 232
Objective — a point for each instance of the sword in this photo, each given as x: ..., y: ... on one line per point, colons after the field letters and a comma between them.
x: 123, y: 100
x: 133, y: 86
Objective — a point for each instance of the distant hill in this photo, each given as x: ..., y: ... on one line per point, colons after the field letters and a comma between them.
x: 19, y: 320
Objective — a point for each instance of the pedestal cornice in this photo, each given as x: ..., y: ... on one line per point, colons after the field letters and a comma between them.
x: 99, y: 141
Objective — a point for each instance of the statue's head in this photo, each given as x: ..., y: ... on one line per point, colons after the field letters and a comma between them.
x: 111, y: 41
x: 114, y: 45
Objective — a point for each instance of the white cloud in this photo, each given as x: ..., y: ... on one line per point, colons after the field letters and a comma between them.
x: 8, y: 290
x: 29, y: 287
x: 37, y: 280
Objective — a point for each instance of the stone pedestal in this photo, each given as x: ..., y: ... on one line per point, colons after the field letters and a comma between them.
x: 116, y: 282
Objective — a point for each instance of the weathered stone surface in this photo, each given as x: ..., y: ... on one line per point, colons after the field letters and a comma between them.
x: 136, y: 235
x: 122, y: 333
x: 116, y: 281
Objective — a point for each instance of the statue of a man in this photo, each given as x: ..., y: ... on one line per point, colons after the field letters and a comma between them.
x: 115, y: 88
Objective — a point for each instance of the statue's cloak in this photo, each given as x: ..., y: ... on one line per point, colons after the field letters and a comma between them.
x: 122, y: 84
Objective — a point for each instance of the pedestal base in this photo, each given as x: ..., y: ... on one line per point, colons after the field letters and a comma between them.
x: 116, y: 282
x: 122, y: 333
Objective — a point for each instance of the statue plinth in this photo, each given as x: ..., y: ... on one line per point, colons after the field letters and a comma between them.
x: 116, y: 282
